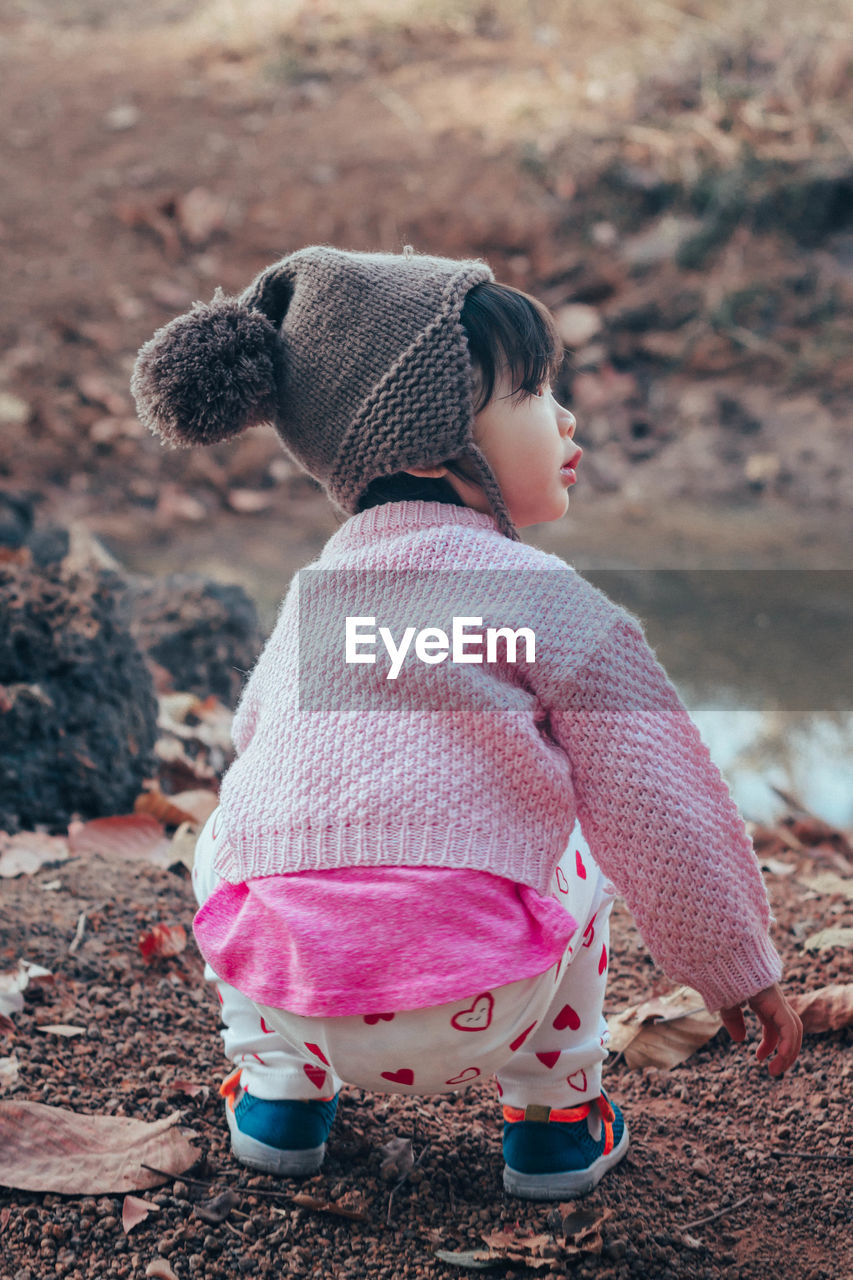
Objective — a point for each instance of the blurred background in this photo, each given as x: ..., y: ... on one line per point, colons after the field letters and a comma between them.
x: 674, y: 178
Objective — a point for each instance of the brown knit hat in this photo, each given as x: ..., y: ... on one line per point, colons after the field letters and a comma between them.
x: 359, y: 360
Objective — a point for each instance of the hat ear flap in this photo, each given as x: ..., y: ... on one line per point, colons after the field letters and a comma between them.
x: 209, y: 374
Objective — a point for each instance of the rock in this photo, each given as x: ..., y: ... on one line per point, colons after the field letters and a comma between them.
x: 205, y: 634
x: 78, y: 719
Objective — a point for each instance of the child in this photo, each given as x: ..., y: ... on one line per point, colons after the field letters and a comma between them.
x: 407, y: 884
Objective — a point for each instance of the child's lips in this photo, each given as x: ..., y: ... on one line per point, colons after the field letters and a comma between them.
x: 569, y: 469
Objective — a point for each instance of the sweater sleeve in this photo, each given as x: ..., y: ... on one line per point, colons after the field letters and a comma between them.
x: 661, y: 822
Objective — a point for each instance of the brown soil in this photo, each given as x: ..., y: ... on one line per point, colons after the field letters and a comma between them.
x: 767, y: 1162
x: 712, y: 406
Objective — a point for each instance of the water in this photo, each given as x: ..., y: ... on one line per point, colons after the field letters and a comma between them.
x: 763, y: 659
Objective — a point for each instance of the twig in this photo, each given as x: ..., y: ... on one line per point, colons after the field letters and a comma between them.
x: 814, y: 1155
x: 78, y: 936
x: 200, y: 1182
x: 183, y: 1177
x: 399, y: 1184
x: 450, y: 1191
x: 730, y: 1208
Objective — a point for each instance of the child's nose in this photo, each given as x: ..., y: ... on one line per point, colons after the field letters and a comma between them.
x: 569, y: 421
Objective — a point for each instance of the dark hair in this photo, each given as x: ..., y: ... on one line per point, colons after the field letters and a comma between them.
x: 506, y: 329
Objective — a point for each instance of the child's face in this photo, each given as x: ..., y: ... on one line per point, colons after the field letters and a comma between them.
x: 528, y: 444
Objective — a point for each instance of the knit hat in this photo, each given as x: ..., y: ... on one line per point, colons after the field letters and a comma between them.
x: 359, y: 360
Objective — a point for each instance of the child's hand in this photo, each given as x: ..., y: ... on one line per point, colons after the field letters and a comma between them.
x: 783, y: 1030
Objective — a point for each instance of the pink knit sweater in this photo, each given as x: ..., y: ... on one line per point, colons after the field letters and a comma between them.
x: 486, y: 766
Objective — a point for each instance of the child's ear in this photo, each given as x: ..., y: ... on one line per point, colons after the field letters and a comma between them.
x: 426, y: 473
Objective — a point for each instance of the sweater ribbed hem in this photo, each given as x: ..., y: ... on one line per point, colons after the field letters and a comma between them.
x: 392, y: 518
x: 404, y: 844
x: 742, y: 971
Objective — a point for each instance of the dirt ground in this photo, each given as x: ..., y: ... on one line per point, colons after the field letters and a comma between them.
x: 729, y: 1173
x: 696, y: 219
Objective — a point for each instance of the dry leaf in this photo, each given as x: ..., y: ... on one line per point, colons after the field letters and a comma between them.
x: 582, y: 1230
x: 51, y: 1149
x: 29, y: 851
x: 160, y: 1268
x: 132, y: 837
x: 218, y: 1208
x: 187, y: 806
x: 190, y: 1088
x: 826, y: 939
x: 664, y: 1031
x: 200, y: 213
x: 248, y: 502
x: 9, y: 1072
x: 533, y: 1250
x: 399, y: 1158
x: 828, y: 883
x: 12, y: 983
x: 184, y: 842
x: 826, y: 1009
x: 135, y: 1210
x: 162, y: 941
x: 777, y: 868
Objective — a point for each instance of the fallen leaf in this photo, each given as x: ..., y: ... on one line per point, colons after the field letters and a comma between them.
x: 200, y: 213
x: 135, y: 1210
x: 62, y: 1029
x: 187, y: 806
x: 162, y: 941
x: 826, y: 939
x: 538, y: 1250
x: 193, y: 719
x: 9, y: 1071
x: 12, y: 983
x: 218, y: 1208
x: 131, y: 837
x: 777, y: 868
x: 249, y: 502
x: 159, y: 1267
x: 826, y: 1009
x: 190, y: 1088
x: 51, y: 1149
x: 183, y: 844
x: 664, y: 1031
x: 472, y: 1259
x: 399, y: 1158
x: 828, y: 883
x: 29, y: 851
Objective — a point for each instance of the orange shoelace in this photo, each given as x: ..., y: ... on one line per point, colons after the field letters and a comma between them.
x: 230, y: 1087
x: 549, y: 1115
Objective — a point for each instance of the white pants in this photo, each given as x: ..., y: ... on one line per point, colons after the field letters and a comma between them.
x: 543, y: 1038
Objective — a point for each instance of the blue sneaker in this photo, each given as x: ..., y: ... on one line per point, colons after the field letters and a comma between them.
x: 560, y: 1155
x: 285, y: 1138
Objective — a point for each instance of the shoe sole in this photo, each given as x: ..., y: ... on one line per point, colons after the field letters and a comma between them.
x: 563, y: 1186
x: 281, y: 1163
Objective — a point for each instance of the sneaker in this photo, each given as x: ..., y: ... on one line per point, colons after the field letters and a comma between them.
x: 560, y: 1155
x: 283, y: 1137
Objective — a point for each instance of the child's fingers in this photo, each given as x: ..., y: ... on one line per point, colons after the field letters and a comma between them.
x: 732, y: 1020
x: 768, y: 1042
x: 790, y: 1042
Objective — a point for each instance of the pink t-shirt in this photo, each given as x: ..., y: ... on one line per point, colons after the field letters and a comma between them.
x: 364, y: 940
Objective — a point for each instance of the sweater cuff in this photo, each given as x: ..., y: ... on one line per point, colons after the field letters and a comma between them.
x: 740, y: 972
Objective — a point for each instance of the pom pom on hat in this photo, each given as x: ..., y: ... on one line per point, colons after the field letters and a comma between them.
x: 209, y: 374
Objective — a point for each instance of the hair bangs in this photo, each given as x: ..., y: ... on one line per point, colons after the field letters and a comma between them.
x: 508, y: 329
